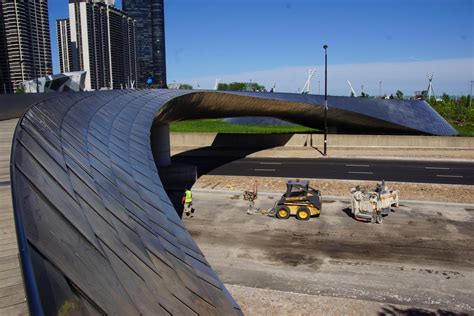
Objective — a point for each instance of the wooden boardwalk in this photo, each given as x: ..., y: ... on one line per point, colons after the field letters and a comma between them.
x: 6, y: 135
x: 12, y: 295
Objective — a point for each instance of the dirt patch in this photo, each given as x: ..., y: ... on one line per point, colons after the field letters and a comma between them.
x: 402, y: 261
x: 408, y: 191
x: 292, y: 259
x: 256, y: 301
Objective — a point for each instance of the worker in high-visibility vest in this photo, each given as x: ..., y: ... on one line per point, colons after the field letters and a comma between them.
x: 188, y: 203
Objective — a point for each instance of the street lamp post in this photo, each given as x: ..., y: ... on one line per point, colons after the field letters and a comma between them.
x: 325, y: 99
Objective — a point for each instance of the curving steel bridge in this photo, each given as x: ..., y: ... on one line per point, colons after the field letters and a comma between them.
x: 97, y: 232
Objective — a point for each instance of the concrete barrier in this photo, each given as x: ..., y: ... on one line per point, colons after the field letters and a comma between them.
x: 335, y: 140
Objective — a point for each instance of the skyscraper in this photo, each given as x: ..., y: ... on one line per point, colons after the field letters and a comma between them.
x: 102, y: 43
x: 64, y: 45
x: 25, y: 47
x: 151, y: 59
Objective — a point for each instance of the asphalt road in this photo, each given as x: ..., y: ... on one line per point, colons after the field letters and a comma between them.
x: 336, y: 168
x: 421, y: 255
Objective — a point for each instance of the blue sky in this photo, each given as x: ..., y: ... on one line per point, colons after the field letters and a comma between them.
x: 275, y: 41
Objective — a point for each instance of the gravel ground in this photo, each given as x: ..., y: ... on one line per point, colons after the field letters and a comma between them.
x: 254, y: 301
x: 408, y: 191
x: 419, y: 260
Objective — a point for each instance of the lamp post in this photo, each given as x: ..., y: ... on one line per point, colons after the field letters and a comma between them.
x: 325, y: 99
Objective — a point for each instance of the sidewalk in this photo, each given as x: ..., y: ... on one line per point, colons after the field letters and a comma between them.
x: 442, y: 193
x: 404, y: 153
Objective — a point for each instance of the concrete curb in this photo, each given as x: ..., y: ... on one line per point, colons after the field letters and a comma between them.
x: 286, y: 153
x: 337, y: 198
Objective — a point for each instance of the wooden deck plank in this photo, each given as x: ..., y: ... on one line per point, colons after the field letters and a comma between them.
x: 10, y: 265
x: 8, y: 252
x: 18, y: 309
x: 5, y: 241
x: 12, y: 293
x: 8, y: 259
x: 15, y: 280
x: 11, y: 290
x: 7, y: 128
x: 11, y: 300
x: 10, y: 236
x: 6, y: 274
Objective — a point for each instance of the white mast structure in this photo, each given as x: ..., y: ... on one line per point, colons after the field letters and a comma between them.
x: 216, y: 84
x: 307, y: 85
x: 430, y: 85
x: 351, y: 92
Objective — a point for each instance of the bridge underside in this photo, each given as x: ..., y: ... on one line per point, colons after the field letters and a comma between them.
x: 97, y: 232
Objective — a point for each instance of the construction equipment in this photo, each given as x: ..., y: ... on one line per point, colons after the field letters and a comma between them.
x: 299, y: 200
x: 251, y: 196
x: 373, y: 205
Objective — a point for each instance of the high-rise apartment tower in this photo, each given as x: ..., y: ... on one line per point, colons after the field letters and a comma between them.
x: 102, y: 43
x: 151, y: 59
x: 64, y: 45
x: 25, y: 47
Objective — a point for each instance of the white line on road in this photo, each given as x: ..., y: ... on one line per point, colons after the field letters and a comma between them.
x: 437, y: 168
x: 264, y: 169
x: 448, y: 176
x: 270, y: 163
x: 360, y: 172
x: 357, y: 166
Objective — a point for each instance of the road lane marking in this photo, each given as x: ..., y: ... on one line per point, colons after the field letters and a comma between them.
x: 264, y: 169
x: 270, y: 163
x: 437, y: 168
x: 448, y: 176
x: 360, y: 172
x: 349, y: 165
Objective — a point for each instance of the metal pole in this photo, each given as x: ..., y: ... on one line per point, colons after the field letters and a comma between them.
x: 325, y: 99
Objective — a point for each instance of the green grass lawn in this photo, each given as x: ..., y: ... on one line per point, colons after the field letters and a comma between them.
x: 219, y: 126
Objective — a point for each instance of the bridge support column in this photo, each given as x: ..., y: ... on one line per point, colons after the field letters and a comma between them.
x: 175, y: 177
x: 160, y: 144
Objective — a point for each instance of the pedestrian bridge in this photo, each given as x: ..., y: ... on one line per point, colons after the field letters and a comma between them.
x: 97, y: 232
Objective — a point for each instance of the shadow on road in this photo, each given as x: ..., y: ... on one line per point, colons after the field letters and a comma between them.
x: 348, y: 212
x: 224, y: 149
x: 230, y: 147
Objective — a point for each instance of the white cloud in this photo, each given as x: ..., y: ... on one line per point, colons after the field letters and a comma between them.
x: 452, y: 76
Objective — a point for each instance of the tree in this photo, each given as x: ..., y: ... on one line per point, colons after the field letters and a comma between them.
x: 185, y: 86
x: 237, y: 86
x: 240, y: 86
x: 364, y: 95
x: 223, y: 87
x: 399, y: 94
x: 20, y: 89
x: 445, y: 97
x: 424, y: 94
